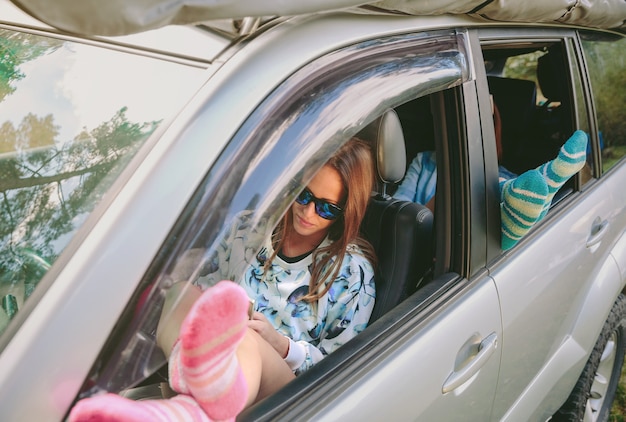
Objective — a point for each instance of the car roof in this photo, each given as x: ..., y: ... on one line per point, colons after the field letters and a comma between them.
x: 118, y: 17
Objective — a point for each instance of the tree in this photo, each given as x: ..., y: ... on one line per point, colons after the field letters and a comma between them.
x: 47, y: 188
x: 17, y: 48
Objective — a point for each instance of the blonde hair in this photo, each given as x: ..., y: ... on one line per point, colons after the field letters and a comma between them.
x: 354, y: 163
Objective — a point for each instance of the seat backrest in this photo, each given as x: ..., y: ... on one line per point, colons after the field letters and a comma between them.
x: 399, y: 231
x: 516, y: 100
x: 551, y: 77
x: 417, y: 126
x: 556, y: 121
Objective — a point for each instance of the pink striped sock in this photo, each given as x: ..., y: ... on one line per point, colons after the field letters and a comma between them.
x: 209, y: 337
x: 113, y: 408
x: 175, y: 371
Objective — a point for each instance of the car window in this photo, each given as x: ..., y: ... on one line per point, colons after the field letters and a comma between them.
x: 268, y: 162
x: 536, y: 88
x: 607, y: 73
x: 582, y: 112
x: 73, y: 115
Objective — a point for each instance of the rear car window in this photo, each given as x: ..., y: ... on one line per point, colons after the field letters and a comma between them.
x: 72, y: 117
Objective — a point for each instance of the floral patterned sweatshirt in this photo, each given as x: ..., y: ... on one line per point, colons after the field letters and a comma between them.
x: 315, y: 329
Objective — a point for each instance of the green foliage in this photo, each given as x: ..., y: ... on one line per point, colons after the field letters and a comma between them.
x: 524, y: 66
x: 16, y: 49
x: 47, y: 188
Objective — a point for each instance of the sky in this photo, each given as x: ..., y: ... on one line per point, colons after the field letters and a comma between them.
x: 84, y: 86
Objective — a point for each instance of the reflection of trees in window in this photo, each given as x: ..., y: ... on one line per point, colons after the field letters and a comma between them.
x: 523, y: 66
x: 47, y: 188
x: 16, y: 49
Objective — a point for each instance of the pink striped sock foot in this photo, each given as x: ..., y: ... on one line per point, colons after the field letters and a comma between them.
x: 175, y: 371
x: 113, y: 408
x: 209, y: 337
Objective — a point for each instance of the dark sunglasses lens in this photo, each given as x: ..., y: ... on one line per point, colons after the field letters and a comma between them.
x: 324, y: 209
x: 327, y: 210
x: 304, y: 198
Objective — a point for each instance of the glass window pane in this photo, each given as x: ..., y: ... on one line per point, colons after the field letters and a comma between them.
x: 607, y: 71
x: 72, y: 117
x: 267, y: 164
x: 581, y: 111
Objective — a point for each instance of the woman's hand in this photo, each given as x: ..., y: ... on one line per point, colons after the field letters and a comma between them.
x: 262, y: 326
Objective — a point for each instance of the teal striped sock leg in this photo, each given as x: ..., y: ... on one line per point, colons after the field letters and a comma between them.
x: 571, y: 160
x: 523, y: 200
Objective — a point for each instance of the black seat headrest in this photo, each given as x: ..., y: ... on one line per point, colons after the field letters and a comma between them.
x: 516, y: 100
x: 551, y: 76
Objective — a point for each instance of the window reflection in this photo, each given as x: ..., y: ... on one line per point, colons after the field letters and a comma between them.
x: 607, y: 71
x: 71, y: 117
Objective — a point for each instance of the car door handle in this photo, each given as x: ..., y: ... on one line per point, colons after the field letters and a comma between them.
x: 598, y: 230
x: 484, y: 351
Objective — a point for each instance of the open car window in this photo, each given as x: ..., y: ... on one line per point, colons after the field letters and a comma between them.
x: 266, y: 165
x: 536, y: 87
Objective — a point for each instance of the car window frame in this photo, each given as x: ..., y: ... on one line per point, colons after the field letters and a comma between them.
x: 568, y: 38
x: 247, y: 144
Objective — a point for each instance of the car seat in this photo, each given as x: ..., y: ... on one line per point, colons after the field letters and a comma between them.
x: 555, y: 120
x: 417, y: 126
x: 399, y: 231
x: 516, y: 100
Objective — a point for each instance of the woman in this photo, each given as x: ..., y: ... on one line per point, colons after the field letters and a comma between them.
x: 313, y: 288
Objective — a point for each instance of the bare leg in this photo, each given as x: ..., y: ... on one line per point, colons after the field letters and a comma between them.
x: 265, y: 371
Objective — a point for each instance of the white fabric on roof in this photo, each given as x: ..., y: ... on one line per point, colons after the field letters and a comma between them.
x: 121, y: 17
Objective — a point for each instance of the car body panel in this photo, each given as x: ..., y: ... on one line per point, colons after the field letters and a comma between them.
x: 619, y: 254
x: 393, y: 390
x: 532, y: 357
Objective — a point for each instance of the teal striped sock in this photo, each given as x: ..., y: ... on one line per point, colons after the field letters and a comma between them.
x: 523, y: 200
x: 571, y: 160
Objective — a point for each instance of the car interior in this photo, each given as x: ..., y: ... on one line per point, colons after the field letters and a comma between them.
x: 533, y: 131
x: 400, y: 231
x: 536, y: 111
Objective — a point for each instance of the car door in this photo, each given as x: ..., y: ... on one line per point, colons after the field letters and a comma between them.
x: 435, y: 355
x: 557, y: 285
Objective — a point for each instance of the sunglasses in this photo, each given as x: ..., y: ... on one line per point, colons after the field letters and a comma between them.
x: 323, y: 208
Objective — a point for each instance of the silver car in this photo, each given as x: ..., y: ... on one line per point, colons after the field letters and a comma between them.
x: 120, y: 153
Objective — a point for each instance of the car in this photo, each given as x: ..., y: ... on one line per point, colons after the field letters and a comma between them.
x: 122, y: 150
